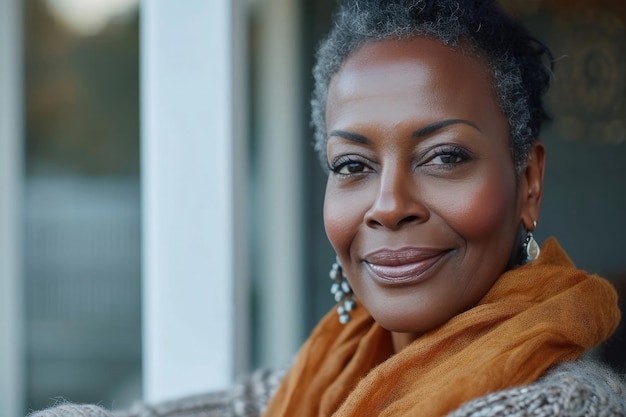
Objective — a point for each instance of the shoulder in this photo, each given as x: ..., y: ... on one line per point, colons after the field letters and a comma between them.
x: 576, y: 388
x: 247, y: 398
x: 67, y: 409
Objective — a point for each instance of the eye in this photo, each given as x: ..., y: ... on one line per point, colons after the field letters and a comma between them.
x: 446, y: 159
x: 347, y: 166
x: 447, y: 155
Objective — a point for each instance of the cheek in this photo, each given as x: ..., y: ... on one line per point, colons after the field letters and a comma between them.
x: 344, y: 211
x: 482, y: 207
x: 339, y: 221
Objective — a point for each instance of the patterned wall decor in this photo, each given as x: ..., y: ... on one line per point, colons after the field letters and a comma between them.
x: 587, y: 38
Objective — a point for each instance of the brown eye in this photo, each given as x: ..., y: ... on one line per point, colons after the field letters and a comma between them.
x: 448, y: 155
x: 348, y: 165
x: 447, y: 159
x: 351, y: 168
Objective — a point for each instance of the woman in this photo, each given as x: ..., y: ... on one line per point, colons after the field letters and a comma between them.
x: 427, y: 115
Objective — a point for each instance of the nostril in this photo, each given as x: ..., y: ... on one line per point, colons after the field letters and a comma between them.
x: 373, y: 223
x: 408, y: 219
x: 391, y: 223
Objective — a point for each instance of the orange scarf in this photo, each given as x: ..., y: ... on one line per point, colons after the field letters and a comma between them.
x: 533, y: 317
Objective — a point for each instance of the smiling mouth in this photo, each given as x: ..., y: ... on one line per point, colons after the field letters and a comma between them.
x: 403, y: 266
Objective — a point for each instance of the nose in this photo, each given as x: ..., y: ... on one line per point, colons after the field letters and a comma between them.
x: 397, y: 202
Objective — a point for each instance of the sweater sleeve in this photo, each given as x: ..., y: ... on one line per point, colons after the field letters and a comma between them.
x: 580, y: 388
x: 73, y: 410
x: 245, y: 399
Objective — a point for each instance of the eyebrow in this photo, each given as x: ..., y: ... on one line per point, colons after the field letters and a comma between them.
x: 354, y: 137
x: 419, y: 133
x: 433, y: 127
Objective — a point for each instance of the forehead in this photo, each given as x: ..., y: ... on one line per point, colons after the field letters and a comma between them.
x: 417, y: 73
x: 377, y: 56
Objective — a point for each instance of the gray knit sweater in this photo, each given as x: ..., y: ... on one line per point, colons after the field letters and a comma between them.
x: 578, y: 389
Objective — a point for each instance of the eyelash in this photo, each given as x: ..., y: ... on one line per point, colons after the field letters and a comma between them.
x: 338, y: 164
x: 459, y: 155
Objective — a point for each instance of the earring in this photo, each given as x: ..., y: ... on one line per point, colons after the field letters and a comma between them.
x: 342, y: 292
x: 531, y: 247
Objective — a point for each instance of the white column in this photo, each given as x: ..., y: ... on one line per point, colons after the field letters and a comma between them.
x: 193, y: 151
x: 280, y: 144
x: 12, y: 365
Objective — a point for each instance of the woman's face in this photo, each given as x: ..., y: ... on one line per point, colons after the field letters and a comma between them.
x: 422, y: 204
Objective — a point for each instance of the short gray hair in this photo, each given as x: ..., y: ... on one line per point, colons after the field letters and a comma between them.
x: 520, y: 65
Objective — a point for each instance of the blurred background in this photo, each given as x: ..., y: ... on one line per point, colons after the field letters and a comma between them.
x: 71, y: 249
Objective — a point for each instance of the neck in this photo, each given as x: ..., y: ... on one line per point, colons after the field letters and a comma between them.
x: 402, y: 340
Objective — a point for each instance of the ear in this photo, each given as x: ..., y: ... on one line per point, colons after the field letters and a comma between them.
x: 531, y: 185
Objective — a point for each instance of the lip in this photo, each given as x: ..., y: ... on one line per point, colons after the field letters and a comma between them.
x: 403, y: 266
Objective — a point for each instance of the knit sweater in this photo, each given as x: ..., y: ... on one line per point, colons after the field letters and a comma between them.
x: 579, y: 388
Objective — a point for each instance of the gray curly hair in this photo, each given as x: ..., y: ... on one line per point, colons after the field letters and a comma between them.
x: 520, y: 65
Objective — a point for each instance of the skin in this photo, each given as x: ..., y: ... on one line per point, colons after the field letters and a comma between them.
x: 422, y: 203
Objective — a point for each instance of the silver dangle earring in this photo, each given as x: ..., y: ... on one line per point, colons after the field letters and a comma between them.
x: 531, y: 247
x: 342, y: 292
